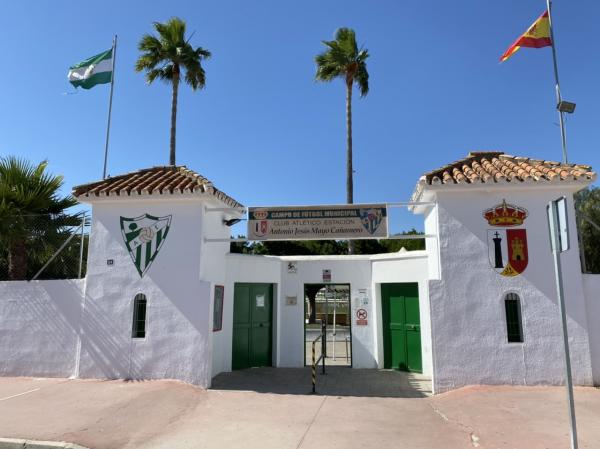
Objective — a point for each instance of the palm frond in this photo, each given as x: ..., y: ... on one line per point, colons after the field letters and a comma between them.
x: 149, y: 43
x: 172, y: 31
x: 164, y: 73
x: 194, y: 73
x: 346, y: 39
x: 169, y: 48
x: 362, y: 79
x: 27, y: 189
x: 343, y: 59
x: 203, y: 53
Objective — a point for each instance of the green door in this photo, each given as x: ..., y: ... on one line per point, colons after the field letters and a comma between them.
x: 401, y: 327
x: 252, y: 315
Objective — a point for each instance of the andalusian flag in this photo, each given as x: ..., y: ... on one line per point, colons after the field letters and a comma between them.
x: 537, y: 36
x: 92, y: 71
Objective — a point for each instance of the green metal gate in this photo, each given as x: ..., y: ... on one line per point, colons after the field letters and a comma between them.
x: 252, y: 325
x: 401, y: 327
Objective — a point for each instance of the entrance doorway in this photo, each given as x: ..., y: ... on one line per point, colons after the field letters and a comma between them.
x: 329, y: 304
x: 401, y: 327
x: 252, y: 326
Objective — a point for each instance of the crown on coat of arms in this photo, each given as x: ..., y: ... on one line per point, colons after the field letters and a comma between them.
x: 505, y: 215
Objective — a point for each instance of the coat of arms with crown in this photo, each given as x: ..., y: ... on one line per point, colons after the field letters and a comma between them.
x: 507, y: 248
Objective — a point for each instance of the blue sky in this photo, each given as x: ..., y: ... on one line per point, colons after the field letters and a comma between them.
x: 263, y: 130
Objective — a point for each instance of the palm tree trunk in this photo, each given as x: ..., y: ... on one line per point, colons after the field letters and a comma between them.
x: 349, y: 180
x: 17, y: 260
x: 174, y: 113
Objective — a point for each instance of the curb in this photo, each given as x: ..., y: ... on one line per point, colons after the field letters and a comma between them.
x: 16, y: 443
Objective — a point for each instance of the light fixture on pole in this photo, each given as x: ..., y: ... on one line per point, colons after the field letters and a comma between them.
x: 231, y: 221
x: 566, y: 106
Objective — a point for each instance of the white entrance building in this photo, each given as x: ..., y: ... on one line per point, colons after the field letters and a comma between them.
x: 161, y: 299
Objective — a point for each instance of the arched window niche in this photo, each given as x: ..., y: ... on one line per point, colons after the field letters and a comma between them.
x: 139, y: 316
x: 514, y: 319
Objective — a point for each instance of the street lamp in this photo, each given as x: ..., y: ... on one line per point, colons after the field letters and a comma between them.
x: 566, y: 106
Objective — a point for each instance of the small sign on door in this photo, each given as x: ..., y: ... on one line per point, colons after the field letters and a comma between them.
x: 260, y: 300
x: 361, y: 317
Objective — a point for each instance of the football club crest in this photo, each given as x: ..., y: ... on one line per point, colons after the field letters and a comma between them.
x: 261, y: 228
x: 144, y: 236
x: 507, y: 248
x: 371, y: 219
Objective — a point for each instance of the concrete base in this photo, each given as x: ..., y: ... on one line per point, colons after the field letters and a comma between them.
x: 15, y: 443
x: 337, y: 381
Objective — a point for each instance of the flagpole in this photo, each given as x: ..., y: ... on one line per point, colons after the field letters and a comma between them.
x: 563, y: 135
x: 112, y: 85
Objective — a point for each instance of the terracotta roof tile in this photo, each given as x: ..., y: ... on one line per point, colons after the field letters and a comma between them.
x: 497, y: 167
x: 167, y: 180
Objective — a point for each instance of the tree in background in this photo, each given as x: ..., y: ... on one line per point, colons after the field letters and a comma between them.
x: 299, y: 248
x: 328, y: 247
x: 33, y: 218
x: 343, y: 59
x: 166, y: 57
x: 587, y: 204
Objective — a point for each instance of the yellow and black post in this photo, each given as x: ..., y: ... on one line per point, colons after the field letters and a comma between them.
x: 314, y: 369
x: 323, y: 343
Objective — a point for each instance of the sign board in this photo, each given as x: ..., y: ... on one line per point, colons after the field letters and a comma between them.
x: 291, y: 300
x: 361, y: 317
x: 563, y: 226
x: 559, y: 224
x: 292, y: 267
x: 326, y: 275
x: 352, y: 221
x: 218, y: 308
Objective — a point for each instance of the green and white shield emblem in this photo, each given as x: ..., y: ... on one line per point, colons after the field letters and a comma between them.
x: 144, y: 236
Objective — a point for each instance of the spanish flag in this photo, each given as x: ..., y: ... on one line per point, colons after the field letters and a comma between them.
x: 537, y: 36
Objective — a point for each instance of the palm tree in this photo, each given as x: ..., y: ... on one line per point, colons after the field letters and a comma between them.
x: 165, y: 57
x: 33, y: 221
x: 343, y: 59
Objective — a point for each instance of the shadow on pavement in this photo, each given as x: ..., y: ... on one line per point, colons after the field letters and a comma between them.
x: 338, y: 381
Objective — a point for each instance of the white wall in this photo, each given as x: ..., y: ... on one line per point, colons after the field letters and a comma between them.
x: 212, y: 254
x: 177, y: 343
x: 243, y: 268
x: 591, y: 289
x: 432, y: 244
x: 463, y: 330
x: 363, y: 273
x: 353, y: 270
x: 213, y: 266
x: 39, y: 325
x: 411, y: 266
x: 467, y: 310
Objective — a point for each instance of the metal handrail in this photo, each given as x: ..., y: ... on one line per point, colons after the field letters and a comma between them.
x: 316, y: 361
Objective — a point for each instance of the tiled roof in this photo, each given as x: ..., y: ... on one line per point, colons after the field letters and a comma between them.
x: 495, y: 167
x: 167, y: 180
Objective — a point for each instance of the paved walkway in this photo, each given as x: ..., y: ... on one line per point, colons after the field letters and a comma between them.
x: 169, y: 414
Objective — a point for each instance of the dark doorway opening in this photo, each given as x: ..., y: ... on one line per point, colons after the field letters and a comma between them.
x: 329, y: 303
